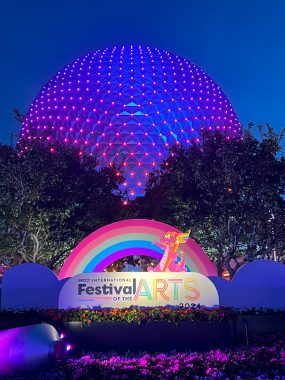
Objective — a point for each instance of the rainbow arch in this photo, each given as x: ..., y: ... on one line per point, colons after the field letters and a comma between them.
x: 127, y: 238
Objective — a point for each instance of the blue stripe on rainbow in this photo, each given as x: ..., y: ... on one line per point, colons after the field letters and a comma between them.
x: 139, y: 244
x: 108, y: 243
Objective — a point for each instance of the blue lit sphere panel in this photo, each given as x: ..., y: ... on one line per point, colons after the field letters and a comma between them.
x: 128, y: 105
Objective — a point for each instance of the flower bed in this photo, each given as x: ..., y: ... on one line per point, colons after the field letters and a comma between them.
x: 152, y: 329
x: 140, y: 315
x: 135, y: 329
x: 136, y: 315
x: 266, y: 360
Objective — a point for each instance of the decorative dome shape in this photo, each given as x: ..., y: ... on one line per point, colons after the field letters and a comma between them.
x: 129, y: 104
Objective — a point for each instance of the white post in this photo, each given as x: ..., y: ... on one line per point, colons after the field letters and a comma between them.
x: 272, y: 229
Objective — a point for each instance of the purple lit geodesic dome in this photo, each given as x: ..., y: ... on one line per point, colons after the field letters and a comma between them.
x: 129, y: 104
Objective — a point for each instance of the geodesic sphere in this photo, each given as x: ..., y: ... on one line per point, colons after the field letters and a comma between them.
x: 129, y: 104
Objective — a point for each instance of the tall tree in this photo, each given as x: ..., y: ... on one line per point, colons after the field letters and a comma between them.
x: 226, y: 191
x: 50, y: 198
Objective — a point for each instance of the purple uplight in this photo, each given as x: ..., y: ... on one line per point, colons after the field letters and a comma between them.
x: 68, y: 347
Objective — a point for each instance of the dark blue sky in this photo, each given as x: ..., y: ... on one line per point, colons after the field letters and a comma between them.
x: 239, y: 43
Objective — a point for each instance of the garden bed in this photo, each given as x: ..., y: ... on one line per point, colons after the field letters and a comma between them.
x: 265, y: 360
x: 150, y: 333
x: 159, y: 328
x: 259, y: 363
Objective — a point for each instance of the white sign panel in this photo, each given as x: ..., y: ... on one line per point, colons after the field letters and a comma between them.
x: 118, y: 290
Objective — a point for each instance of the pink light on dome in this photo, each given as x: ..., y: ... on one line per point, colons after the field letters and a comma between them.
x: 130, y: 104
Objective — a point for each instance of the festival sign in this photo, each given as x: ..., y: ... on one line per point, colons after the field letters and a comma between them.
x: 118, y: 290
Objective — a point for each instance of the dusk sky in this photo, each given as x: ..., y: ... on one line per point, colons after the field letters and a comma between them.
x: 239, y: 43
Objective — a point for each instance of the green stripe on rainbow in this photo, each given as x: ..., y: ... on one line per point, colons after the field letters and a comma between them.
x: 109, y: 243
